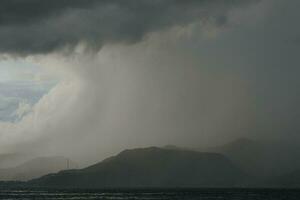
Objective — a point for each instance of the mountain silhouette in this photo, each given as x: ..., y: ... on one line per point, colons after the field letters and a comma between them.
x: 13, y: 159
x: 262, y: 159
x: 35, y: 168
x: 287, y: 180
x: 151, y: 167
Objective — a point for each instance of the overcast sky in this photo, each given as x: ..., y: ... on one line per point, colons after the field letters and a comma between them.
x: 87, y: 79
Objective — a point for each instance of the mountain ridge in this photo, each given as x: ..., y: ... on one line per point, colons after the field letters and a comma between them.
x: 151, y: 167
x: 35, y: 168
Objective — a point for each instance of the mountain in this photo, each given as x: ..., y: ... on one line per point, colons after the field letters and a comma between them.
x: 262, y: 159
x: 151, y: 167
x: 35, y: 168
x: 12, y: 159
x: 288, y: 180
x: 246, y: 153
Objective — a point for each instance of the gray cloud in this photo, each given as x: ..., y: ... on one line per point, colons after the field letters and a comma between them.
x: 38, y: 27
x: 207, y: 86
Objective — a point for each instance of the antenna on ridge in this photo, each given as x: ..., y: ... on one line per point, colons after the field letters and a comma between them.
x: 68, y: 163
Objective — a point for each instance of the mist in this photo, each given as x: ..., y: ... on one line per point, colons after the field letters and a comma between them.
x: 201, y: 82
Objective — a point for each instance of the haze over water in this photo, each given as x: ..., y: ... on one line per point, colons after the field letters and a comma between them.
x: 150, y: 93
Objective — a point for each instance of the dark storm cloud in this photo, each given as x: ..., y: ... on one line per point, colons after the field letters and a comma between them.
x: 204, y: 87
x: 34, y: 26
x: 30, y: 11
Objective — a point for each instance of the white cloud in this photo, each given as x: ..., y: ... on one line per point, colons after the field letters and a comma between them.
x: 48, y: 111
x: 23, y: 109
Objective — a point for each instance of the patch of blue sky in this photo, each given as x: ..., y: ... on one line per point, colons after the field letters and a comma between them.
x: 21, y: 83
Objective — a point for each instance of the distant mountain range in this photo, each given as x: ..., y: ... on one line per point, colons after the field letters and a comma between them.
x: 241, y: 163
x: 13, y: 159
x: 262, y: 159
x: 151, y: 167
x: 288, y: 180
x: 35, y: 168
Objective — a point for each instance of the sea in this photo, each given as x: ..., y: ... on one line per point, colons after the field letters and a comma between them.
x: 153, y: 194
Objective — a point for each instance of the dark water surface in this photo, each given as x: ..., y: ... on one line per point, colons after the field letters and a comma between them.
x: 202, y: 194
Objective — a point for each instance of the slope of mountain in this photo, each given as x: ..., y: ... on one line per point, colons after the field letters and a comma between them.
x: 247, y: 154
x: 35, y: 168
x: 262, y: 159
x: 288, y: 180
x: 13, y: 159
x: 151, y: 167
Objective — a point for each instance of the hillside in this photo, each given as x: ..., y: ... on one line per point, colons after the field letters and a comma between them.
x: 35, y: 168
x: 262, y: 159
x: 288, y: 180
x: 13, y: 159
x: 151, y: 167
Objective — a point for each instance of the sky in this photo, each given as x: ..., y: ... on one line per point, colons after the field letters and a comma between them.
x: 22, y: 84
x: 87, y: 79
